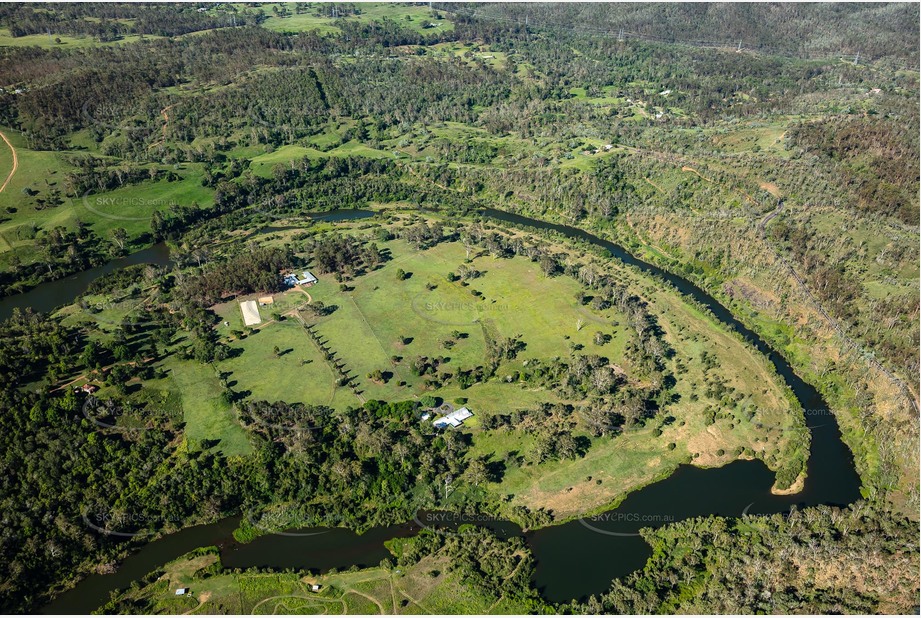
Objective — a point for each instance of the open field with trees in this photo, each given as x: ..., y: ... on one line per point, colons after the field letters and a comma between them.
x: 535, y: 353
x: 767, y: 154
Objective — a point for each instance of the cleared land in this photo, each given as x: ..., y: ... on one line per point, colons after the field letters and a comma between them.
x: 207, y: 418
x: 383, y: 317
x: 380, y: 322
x: 15, y: 162
x: 250, y: 313
x: 428, y: 587
x: 415, y: 17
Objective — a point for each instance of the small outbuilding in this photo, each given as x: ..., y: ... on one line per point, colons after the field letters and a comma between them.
x: 267, y: 300
x: 307, y: 279
x: 181, y: 591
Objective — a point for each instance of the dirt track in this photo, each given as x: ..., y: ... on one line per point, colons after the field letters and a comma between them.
x: 15, y: 162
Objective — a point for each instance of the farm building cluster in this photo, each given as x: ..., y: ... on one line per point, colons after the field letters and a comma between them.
x: 306, y: 279
x: 250, y: 308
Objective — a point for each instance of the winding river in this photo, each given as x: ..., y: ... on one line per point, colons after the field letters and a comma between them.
x: 574, y: 560
x: 47, y: 297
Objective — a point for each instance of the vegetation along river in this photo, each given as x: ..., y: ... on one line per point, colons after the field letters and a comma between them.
x: 49, y: 296
x: 576, y: 559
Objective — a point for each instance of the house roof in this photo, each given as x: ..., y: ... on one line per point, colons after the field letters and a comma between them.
x: 455, y: 419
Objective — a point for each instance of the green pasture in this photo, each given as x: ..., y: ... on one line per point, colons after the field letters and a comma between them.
x: 419, y: 16
x: 207, y: 417
x: 428, y: 587
x: 66, y: 41
x: 383, y: 317
x: 43, y: 172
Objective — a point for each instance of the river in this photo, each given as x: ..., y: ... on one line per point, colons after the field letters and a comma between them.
x: 573, y: 560
x: 47, y: 297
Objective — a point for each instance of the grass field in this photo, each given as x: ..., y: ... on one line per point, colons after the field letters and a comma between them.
x: 418, y: 17
x: 66, y: 41
x: 207, y: 417
x: 43, y: 172
x: 368, y: 327
x: 264, y: 164
x: 298, y: 374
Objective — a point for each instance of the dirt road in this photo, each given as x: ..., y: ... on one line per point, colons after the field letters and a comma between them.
x: 15, y: 162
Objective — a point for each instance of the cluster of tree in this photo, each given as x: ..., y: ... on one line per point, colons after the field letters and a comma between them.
x: 169, y: 224
x: 830, y: 281
x: 312, y: 185
x: 119, y: 89
x: 113, y: 21
x: 500, y: 348
x: 255, y: 269
x: 96, y: 175
x: 464, y: 272
x: 79, y: 90
x: 69, y: 471
x: 800, y: 31
x: 30, y: 344
x: 345, y: 256
x: 592, y: 374
x: 878, y: 156
x: 470, y: 151
x: 753, y: 565
x: 425, y: 366
x: 424, y: 236
x: 342, y: 463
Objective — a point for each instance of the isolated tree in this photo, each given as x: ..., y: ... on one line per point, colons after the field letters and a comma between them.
x: 477, y: 471
x: 120, y: 236
x: 428, y: 401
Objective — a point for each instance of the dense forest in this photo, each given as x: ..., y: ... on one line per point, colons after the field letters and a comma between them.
x: 788, y: 30
x: 112, y: 21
